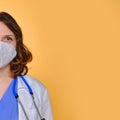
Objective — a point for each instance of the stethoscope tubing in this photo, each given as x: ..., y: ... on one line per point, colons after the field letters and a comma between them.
x: 15, y: 92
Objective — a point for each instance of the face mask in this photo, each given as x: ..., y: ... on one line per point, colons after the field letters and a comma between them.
x: 7, y: 53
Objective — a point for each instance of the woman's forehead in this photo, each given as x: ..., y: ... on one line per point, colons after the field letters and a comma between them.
x: 4, y: 30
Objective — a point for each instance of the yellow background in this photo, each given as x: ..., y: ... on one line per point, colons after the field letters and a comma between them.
x: 76, y: 49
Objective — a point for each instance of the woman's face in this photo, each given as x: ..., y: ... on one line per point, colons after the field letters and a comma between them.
x: 6, y: 35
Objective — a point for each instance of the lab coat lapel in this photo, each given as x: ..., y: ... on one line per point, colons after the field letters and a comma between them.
x: 26, y: 101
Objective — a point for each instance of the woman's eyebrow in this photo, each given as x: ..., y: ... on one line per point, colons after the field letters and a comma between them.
x: 9, y: 35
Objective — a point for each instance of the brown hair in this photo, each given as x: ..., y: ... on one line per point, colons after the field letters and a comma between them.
x: 18, y: 65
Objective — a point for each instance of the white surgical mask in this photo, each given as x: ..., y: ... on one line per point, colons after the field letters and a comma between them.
x: 7, y: 53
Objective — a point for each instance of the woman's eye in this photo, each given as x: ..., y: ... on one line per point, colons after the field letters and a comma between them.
x: 8, y: 38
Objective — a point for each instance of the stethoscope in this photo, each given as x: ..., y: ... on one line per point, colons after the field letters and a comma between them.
x: 15, y: 92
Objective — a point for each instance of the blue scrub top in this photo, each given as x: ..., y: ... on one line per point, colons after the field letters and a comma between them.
x: 9, y: 105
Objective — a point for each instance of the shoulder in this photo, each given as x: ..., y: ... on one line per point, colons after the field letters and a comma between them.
x: 33, y: 81
x: 37, y: 86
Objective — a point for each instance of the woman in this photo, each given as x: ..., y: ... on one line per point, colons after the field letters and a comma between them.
x: 21, y: 96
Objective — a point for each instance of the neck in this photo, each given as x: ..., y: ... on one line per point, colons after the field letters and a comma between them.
x: 5, y: 72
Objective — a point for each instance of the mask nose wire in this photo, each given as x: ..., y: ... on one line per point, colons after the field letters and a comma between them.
x: 31, y: 93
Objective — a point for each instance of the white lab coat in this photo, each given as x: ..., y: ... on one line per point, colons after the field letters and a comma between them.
x: 41, y: 99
